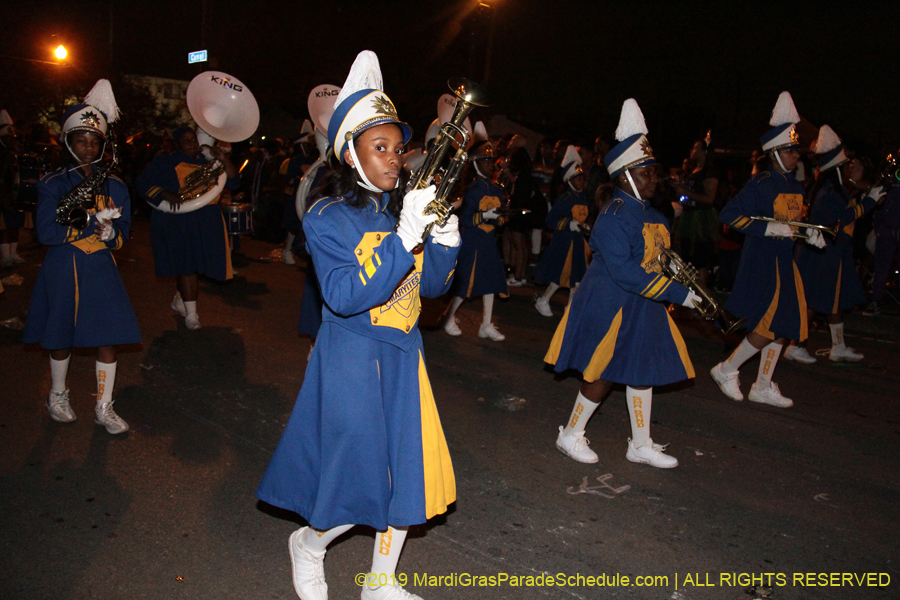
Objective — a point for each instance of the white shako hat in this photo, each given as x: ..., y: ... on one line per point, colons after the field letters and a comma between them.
x: 5, y: 122
x: 830, y: 148
x: 783, y: 134
x: 360, y: 105
x: 481, y: 146
x: 633, y: 149
x: 571, y: 164
x: 94, y: 115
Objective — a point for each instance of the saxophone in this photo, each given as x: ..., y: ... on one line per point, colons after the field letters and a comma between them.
x: 675, y: 267
x: 72, y: 209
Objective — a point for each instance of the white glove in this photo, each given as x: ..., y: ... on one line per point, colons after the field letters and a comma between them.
x: 413, y: 222
x: 490, y: 214
x: 108, y: 232
x: 782, y: 230
x: 108, y: 214
x: 876, y: 193
x: 815, y: 238
x: 689, y: 301
x: 573, y: 225
x: 448, y: 234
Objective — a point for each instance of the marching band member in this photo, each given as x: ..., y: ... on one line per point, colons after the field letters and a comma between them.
x: 616, y: 329
x: 479, y: 268
x: 829, y: 274
x: 292, y: 170
x: 186, y: 242
x: 564, y: 262
x: 321, y: 105
x: 79, y: 299
x: 11, y: 220
x: 768, y: 290
x: 364, y: 443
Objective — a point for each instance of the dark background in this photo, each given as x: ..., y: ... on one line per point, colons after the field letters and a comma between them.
x: 560, y: 67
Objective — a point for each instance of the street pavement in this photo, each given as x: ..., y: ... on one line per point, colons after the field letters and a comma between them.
x: 766, y: 502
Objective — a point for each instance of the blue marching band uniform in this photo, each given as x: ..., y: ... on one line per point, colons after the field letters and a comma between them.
x: 768, y: 290
x: 617, y: 327
x: 185, y: 242
x: 79, y: 299
x: 479, y: 269
x: 565, y: 260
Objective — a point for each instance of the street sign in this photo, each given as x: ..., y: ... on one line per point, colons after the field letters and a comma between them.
x: 195, y: 57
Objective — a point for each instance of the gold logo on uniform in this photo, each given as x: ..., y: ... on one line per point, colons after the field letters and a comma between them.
x: 788, y: 207
x: 656, y: 236
x: 401, y: 311
x: 580, y: 213
x: 383, y: 106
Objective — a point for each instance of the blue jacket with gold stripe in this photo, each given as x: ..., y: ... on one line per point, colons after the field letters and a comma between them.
x: 767, y: 290
x: 565, y: 260
x: 370, y: 284
x: 617, y: 327
x: 829, y: 274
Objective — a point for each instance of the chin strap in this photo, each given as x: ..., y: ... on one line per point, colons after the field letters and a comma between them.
x: 840, y: 179
x: 475, y: 164
x: 778, y: 158
x: 363, y: 180
x: 633, y: 187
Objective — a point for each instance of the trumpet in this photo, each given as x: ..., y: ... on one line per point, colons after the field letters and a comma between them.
x: 889, y: 174
x: 832, y: 230
x: 451, y: 135
x: 201, y: 180
x: 686, y: 274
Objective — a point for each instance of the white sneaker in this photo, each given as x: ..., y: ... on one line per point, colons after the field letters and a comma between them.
x: 192, y: 322
x: 651, y: 454
x: 575, y: 445
x: 543, y: 306
x: 387, y: 592
x: 307, y: 569
x: 452, y: 327
x: 58, y: 405
x: 513, y: 282
x: 489, y: 331
x: 178, y: 305
x: 15, y: 259
x: 769, y: 395
x: 844, y: 353
x: 287, y: 257
x: 107, y: 417
x: 730, y: 384
x: 799, y: 354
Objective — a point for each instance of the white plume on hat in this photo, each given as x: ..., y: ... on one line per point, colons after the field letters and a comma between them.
x: 365, y: 74
x: 571, y: 162
x: 306, y: 128
x: 828, y: 140
x: 5, y: 119
x: 481, y: 134
x: 784, y: 111
x: 631, y: 121
x: 101, y: 96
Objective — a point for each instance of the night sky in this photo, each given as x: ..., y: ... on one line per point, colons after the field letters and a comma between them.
x: 560, y: 67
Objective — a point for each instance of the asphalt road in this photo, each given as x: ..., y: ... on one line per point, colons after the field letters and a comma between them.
x: 167, y: 510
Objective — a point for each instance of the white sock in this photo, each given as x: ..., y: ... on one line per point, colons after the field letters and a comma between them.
x: 58, y: 370
x: 454, y: 306
x: 488, y: 309
x: 106, y: 380
x: 639, y: 403
x: 289, y: 242
x: 388, y: 545
x: 548, y: 293
x: 535, y: 241
x: 318, y: 541
x: 741, y: 354
x: 4, y: 251
x: 837, y: 334
x: 581, y: 413
x: 191, y: 308
x: 767, y: 361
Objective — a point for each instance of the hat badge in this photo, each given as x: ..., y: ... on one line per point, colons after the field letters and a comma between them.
x: 90, y: 119
x: 645, y: 148
x: 384, y: 106
x: 794, y: 137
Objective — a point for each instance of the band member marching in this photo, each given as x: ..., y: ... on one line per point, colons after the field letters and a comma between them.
x: 79, y: 299
x: 829, y: 274
x: 364, y: 444
x: 564, y: 262
x: 479, y: 269
x: 616, y: 328
x: 768, y: 291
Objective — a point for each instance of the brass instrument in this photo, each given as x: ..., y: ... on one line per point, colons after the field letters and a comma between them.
x: 200, y: 181
x: 832, y: 230
x: 686, y: 274
x: 451, y: 134
x: 71, y: 210
x: 889, y: 174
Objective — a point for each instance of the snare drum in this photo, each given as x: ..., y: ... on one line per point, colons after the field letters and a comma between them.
x: 238, y: 218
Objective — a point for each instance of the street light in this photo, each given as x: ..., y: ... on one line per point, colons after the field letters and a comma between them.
x: 61, y: 53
